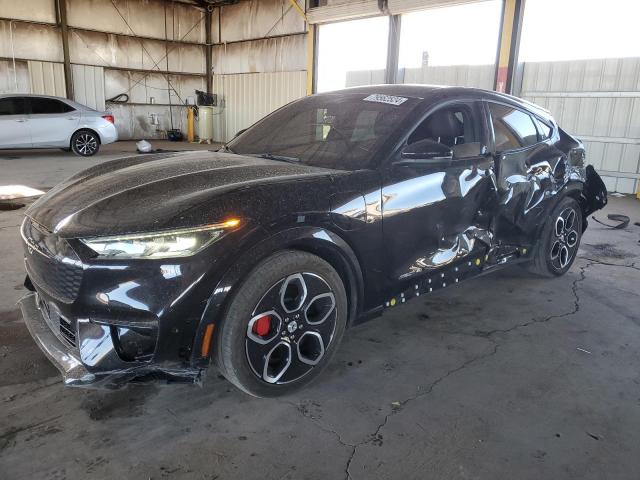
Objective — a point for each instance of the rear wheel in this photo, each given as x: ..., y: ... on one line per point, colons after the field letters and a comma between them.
x: 85, y: 143
x: 283, y: 325
x: 558, y: 245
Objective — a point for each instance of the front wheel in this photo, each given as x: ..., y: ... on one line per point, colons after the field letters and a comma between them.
x: 85, y: 143
x: 283, y: 325
x: 558, y: 245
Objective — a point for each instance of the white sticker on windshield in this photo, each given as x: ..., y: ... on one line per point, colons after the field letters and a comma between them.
x: 390, y: 99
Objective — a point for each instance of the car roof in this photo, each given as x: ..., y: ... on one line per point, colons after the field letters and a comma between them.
x: 75, y: 104
x: 441, y: 92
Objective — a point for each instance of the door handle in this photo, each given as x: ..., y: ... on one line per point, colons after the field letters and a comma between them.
x: 21, y: 120
x: 72, y: 118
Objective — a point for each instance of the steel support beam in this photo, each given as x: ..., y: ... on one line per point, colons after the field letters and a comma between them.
x: 61, y: 11
x: 312, y: 58
x: 509, y: 44
x: 393, y: 49
x: 311, y: 47
x: 208, y: 51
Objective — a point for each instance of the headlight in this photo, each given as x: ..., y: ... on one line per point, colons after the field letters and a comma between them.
x: 173, y: 243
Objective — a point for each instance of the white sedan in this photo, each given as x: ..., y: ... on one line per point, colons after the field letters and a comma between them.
x: 36, y: 121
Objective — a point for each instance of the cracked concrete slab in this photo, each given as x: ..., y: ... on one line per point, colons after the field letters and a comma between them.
x: 504, y: 376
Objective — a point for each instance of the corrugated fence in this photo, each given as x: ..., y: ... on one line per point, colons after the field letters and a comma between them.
x: 599, y: 102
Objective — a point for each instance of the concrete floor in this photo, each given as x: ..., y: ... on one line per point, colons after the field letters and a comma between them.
x: 505, y: 376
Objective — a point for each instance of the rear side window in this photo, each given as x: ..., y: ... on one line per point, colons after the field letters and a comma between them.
x: 512, y: 128
x: 49, y: 105
x: 12, y: 106
x: 543, y: 129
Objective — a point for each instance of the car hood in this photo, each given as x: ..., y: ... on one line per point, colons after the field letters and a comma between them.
x: 156, y: 192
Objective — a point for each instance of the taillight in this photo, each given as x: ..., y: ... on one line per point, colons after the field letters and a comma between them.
x: 109, y: 118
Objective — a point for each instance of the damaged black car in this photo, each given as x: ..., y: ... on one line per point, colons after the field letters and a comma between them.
x: 258, y: 257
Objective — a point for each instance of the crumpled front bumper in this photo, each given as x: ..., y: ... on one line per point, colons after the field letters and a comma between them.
x: 108, y: 373
x: 74, y: 373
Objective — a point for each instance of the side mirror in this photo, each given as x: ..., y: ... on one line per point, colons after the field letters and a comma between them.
x: 425, y: 152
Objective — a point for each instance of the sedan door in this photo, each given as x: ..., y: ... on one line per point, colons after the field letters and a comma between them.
x: 14, y: 123
x: 52, y: 122
x: 435, y: 215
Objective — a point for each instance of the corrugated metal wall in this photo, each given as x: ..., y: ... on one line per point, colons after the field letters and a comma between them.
x: 479, y: 76
x: 14, y: 76
x: 245, y: 98
x: 88, y: 85
x: 599, y: 102
x: 47, y: 78
x: 364, y: 77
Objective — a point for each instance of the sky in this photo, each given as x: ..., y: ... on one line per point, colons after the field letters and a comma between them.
x: 468, y: 34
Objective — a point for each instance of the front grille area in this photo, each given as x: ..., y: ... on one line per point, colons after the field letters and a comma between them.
x: 51, y: 263
x: 57, y: 322
x: 67, y: 331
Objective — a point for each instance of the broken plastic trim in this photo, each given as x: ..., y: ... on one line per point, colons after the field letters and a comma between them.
x: 623, y: 221
x: 75, y: 372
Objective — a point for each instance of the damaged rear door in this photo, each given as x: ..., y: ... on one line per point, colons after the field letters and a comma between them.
x: 536, y: 163
x: 527, y: 165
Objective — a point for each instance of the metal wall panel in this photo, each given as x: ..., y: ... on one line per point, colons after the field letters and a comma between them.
x: 245, y: 98
x: 31, y: 10
x: 47, y: 78
x: 282, y: 54
x: 257, y: 19
x: 338, y: 10
x: 14, y: 77
x: 406, y: 6
x: 145, y: 18
x: 88, y: 85
x: 478, y: 76
x: 142, y: 87
x: 133, y: 120
x: 364, y: 77
x: 107, y: 50
x: 30, y: 42
x: 598, y: 101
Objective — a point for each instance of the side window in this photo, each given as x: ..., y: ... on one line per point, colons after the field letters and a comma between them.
x: 512, y: 128
x: 48, y: 105
x: 455, y: 126
x: 12, y: 106
x: 543, y: 129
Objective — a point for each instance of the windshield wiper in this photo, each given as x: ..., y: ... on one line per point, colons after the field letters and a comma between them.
x: 280, y: 158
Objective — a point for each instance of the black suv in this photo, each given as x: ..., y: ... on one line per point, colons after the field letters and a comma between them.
x: 324, y: 213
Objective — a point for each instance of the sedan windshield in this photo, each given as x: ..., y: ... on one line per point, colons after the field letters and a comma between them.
x: 339, y: 131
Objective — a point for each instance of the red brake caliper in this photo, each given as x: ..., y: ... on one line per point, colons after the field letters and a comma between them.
x: 262, y: 326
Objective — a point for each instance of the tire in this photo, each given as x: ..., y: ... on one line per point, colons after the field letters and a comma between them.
x: 559, y: 241
x: 85, y: 143
x: 291, y: 310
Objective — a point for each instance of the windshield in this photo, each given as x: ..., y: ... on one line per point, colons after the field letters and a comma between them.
x: 338, y: 131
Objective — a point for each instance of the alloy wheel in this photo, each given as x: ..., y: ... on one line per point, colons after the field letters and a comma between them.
x: 565, y: 239
x: 291, y: 328
x: 86, y: 144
